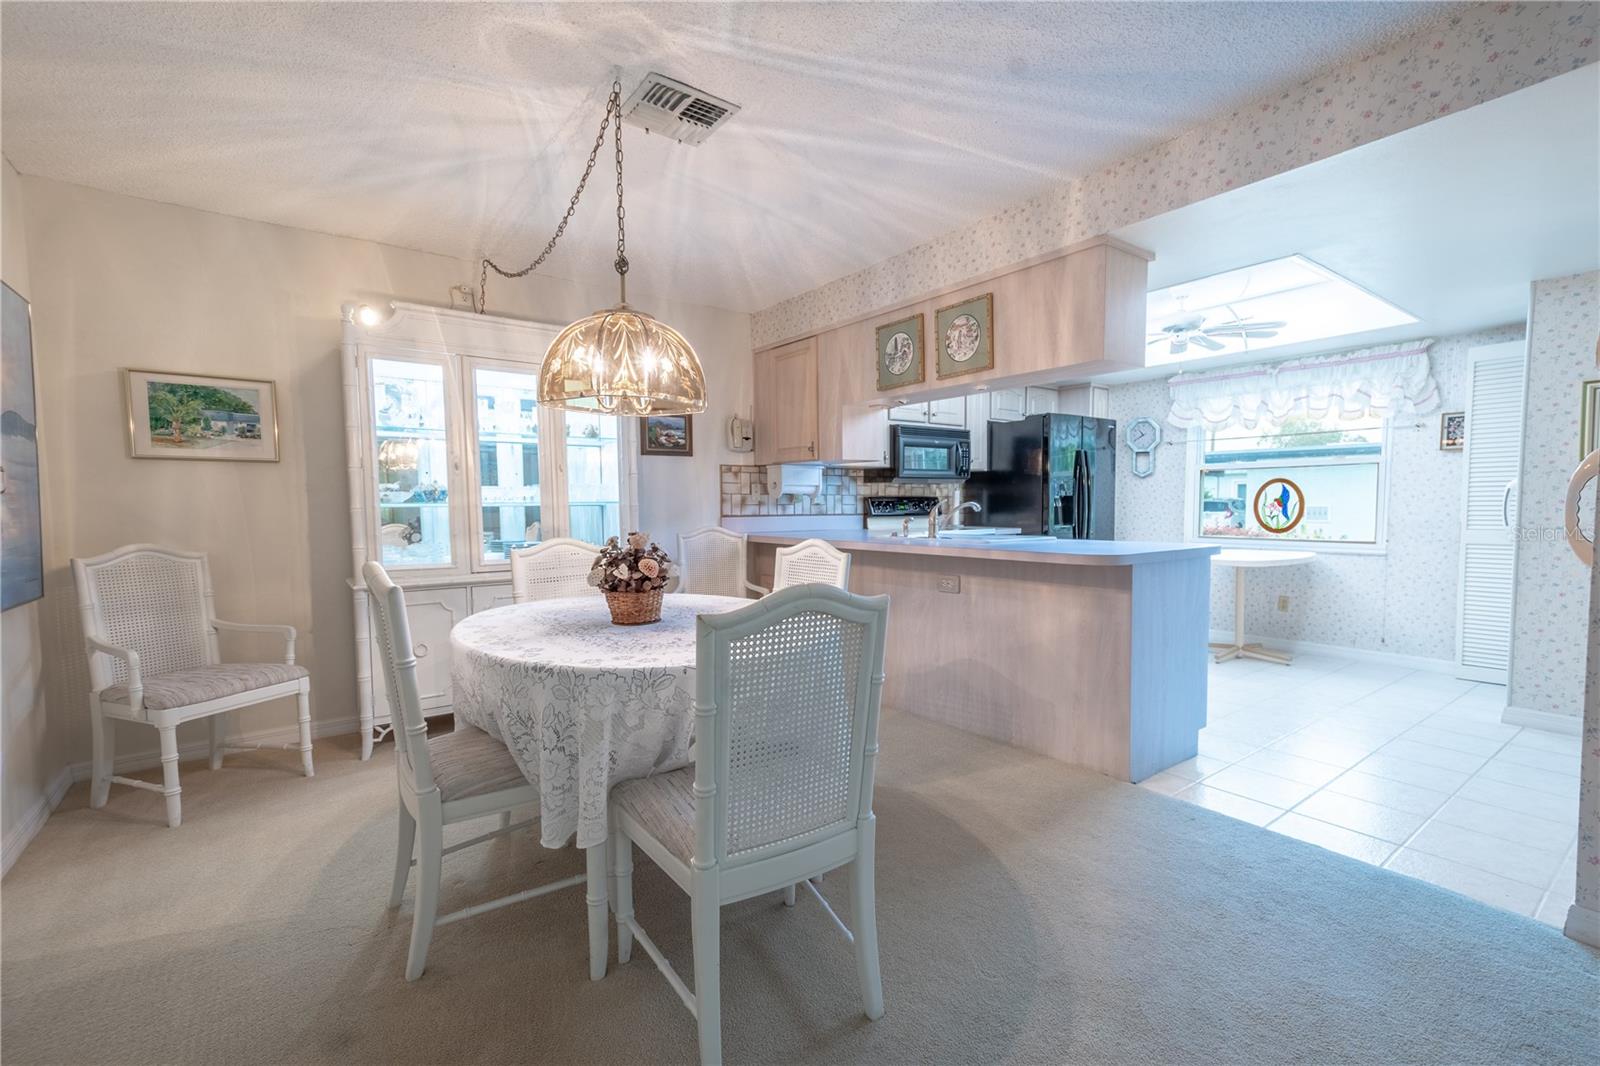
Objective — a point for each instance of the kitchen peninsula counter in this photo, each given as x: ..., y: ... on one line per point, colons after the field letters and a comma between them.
x: 1092, y: 652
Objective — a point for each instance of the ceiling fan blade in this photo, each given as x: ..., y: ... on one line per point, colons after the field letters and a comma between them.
x: 1206, y: 342
x: 1262, y: 334
x: 1240, y: 327
x: 1157, y: 339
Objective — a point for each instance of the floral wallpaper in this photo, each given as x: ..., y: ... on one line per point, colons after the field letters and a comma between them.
x: 1402, y: 602
x: 1547, y: 654
x: 1475, y: 54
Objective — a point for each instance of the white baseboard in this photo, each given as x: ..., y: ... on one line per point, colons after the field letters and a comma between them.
x: 201, y: 749
x: 1386, y: 658
x: 1583, y: 925
x: 23, y: 832
x: 1549, y: 721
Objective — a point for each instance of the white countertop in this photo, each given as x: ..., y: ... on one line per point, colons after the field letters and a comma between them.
x: 1006, y: 549
x: 1261, y: 557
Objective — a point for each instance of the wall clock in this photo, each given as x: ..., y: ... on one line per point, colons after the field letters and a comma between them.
x: 1143, y: 437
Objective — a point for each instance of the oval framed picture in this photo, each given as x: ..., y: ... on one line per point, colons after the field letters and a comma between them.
x: 1279, y: 505
x: 964, y: 333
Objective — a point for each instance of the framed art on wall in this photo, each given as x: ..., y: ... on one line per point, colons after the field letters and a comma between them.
x: 667, y: 435
x: 965, y: 334
x: 1452, y: 431
x: 198, y: 416
x: 22, y: 562
x: 1589, y: 418
x: 900, y: 353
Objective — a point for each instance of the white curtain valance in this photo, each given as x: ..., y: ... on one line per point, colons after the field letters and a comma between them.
x: 1395, y: 381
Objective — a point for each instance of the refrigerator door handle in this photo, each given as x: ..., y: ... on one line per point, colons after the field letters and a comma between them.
x: 1080, y: 478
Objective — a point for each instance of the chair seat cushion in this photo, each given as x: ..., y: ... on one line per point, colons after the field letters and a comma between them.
x: 184, y: 688
x: 469, y: 762
x: 663, y: 806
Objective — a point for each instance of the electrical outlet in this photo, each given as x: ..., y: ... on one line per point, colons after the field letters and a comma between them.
x: 1283, y: 603
x: 950, y: 583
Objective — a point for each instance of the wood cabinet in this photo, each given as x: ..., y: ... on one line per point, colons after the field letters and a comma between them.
x: 1007, y: 405
x: 786, y: 428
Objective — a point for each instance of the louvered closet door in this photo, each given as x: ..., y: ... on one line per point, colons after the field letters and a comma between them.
x: 1488, y: 542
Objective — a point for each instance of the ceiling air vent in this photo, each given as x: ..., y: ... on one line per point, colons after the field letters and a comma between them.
x: 673, y: 109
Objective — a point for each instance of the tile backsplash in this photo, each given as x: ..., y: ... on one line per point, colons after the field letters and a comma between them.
x: 744, y: 492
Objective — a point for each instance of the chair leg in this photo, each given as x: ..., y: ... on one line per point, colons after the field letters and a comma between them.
x: 402, y: 855
x: 505, y: 819
x: 429, y: 860
x: 864, y: 920
x: 788, y: 895
x: 304, y: 716
x: 105, y: 747
x: 705, y: 926
x: 622, y: 865
x: 216, y: 723
x: 169, y: 775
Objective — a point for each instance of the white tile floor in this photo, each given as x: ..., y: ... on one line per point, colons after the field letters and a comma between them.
x: 1403, y: 769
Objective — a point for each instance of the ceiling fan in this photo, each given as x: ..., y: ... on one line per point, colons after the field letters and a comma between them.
x: 1180, y: 333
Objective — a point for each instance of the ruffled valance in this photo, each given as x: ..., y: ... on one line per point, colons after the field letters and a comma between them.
x: 1394, y: 381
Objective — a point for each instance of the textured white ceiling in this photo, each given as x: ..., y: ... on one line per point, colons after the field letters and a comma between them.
x: 462, y: 128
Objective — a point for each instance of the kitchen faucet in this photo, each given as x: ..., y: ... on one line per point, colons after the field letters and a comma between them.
x: 933, y: 515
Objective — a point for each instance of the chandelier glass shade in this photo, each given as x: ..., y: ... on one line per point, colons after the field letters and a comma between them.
x: 622, y: 361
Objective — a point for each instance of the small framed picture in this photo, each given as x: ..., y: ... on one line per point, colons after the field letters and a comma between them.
x: 1589, y: 418
x: 198, y: 416
x: 965, y: 335
x: 900, y: 353
x: 667, y: 435
x: 1452, y: 430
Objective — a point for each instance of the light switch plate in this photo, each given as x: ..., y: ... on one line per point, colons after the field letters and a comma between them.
x: 950, y: 583
x: 1283, y: 603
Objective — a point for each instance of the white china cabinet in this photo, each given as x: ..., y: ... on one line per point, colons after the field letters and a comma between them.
x: 452, y: 463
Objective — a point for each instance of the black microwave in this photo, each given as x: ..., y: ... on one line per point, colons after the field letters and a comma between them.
x: 918, y: 453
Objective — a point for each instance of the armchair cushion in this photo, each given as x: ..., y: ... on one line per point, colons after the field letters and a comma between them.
x: 184, y: 688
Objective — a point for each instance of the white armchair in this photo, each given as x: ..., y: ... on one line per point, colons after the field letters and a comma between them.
x: 712, y: 561
x: 552, y: 569
x: 810, y: 562
x: 150, y: 628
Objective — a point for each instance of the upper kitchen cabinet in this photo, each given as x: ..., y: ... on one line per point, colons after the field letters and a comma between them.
x: 786, y: 403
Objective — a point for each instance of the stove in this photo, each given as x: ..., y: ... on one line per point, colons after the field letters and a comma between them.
x: 889, y: 514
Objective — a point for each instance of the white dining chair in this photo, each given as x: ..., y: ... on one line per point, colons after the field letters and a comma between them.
x: 150, y: 629
x: 712, y: 561
x: 456, y: 777
x: 786, y: 742
x: 552, y: 569
x: 810, y: 562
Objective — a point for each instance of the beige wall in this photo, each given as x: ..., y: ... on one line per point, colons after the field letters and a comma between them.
x: 27, y: 752
x: 132, y: 283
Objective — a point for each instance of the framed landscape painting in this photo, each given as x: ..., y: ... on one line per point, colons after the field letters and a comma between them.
x: 667, y: 435
x: 197, y: 416
x: 22, y: 535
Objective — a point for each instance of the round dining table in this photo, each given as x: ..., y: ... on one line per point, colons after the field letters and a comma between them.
x: 1242, y: 559
x: 582, y: 705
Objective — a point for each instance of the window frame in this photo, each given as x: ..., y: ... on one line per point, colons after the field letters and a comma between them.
x: 1195, y: 464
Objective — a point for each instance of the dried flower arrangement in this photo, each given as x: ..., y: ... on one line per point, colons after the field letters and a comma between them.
x: 638, y: 566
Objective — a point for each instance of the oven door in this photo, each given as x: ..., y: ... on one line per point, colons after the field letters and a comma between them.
x: 931, y: 454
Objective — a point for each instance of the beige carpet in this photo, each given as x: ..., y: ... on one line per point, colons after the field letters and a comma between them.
x: 1028, y: 912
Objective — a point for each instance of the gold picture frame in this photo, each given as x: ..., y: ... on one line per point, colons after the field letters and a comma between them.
x: 900, y: 353
x: 1589, y: 418
x: 964, y: 334
x: 240, y: 426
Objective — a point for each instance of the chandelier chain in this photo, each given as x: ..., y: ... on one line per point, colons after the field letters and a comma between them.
x: 613, y: 110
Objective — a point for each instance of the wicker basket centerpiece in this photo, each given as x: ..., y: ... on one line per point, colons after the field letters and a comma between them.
x: 632, y: 574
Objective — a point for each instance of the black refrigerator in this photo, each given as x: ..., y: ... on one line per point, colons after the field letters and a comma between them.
x: 1051, y: 474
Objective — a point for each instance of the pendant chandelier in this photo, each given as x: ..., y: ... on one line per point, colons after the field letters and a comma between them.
x: 618, y: 361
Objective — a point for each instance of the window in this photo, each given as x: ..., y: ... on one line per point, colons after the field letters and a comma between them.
x: 1337, y: 463
x: 508, y: 492
x: 594, y: 486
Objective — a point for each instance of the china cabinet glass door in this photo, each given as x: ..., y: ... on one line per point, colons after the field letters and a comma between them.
x: 412, y: 462
x: 508, y: 460
x: 594, y: 477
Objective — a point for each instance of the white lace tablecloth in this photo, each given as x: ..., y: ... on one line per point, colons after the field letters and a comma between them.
x: 581, y: 703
